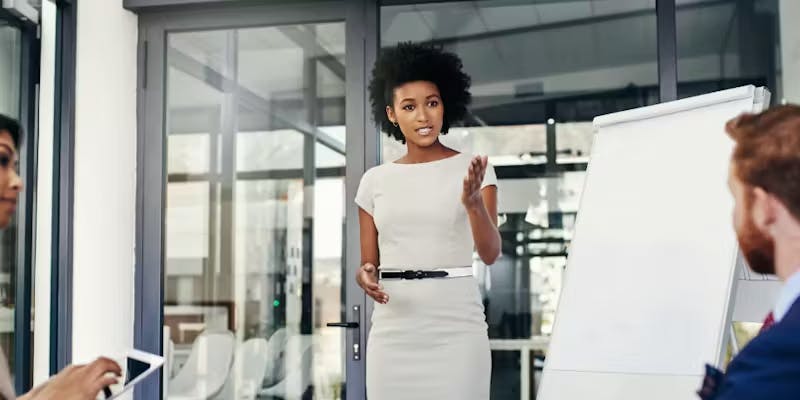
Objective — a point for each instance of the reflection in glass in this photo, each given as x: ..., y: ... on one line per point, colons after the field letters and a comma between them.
x: 10, y: 64
x: 254, y: 217
x: 726, y: 44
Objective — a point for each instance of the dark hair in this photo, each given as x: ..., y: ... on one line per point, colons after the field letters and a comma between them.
x: 767, y: 152
x: 11, y: 126
x: 409, y: 62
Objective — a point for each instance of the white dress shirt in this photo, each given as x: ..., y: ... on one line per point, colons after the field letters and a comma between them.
x: 787, y: 297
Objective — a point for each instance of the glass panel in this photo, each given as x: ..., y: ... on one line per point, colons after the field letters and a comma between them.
x: 253, y: 268
x: 10, y: 64
x: 725, y: 44
x: 541, y: 71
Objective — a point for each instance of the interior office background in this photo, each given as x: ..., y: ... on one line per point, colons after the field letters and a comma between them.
x: 254, y: 178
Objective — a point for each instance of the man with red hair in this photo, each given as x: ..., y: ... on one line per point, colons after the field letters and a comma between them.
x: 765, y: 183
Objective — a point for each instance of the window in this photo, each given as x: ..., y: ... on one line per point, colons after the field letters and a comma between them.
x: 254, y: 211
x: 10, y: 54
x: 726, y: 44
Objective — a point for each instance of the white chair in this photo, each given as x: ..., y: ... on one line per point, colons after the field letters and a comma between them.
x: 249, y: 368
x: 169, y: 361
x: 298, y: 370
x: 276, y: 346
x: 206, y: 369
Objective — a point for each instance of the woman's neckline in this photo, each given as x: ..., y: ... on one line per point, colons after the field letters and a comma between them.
x: 428, y: 162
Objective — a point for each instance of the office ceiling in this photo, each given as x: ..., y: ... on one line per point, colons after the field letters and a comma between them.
x: 508, y: 46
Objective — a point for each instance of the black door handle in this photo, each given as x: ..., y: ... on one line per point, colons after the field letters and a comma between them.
x: 348, y: 325
x: 355, y: 333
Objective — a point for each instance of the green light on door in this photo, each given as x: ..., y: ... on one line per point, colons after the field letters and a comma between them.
x: 276, y: 303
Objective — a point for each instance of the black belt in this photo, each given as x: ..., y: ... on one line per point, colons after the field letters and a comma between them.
x: 413, y: 274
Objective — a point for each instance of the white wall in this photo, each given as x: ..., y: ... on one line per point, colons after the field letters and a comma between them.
x: 790, y: 49
x: 105, y: 180
x: 44, y: 197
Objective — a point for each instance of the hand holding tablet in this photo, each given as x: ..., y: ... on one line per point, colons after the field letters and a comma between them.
x: 136, y: 365
x: 78, y: 382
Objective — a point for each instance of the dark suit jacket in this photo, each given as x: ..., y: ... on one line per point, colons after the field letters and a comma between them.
x: 769, y: 366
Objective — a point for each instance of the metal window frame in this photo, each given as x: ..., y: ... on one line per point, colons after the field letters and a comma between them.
x: 362, y: 43
x: 178, y: 5
x: 667, y: 50
x: 141, y: 5
x: 26, y: 228
x: 361, y: 19
x: 63, y: 186
x: 26, y: 213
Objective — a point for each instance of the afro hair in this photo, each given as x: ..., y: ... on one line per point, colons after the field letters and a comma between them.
x: 13, y: 128
x: 409, y: 62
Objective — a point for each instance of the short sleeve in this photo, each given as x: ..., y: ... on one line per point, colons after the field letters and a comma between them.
x: 489, y: 178
x: 364, y: 196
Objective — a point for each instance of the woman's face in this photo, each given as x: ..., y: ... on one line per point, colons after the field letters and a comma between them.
x: 10, y: 182
x: 419, y: 112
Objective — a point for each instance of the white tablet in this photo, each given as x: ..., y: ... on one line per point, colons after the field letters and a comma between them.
x: 136, y: 365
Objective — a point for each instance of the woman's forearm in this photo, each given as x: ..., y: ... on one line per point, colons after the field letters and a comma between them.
x: 484, y: 233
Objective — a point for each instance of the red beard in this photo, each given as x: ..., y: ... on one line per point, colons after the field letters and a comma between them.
x: 758, y: 249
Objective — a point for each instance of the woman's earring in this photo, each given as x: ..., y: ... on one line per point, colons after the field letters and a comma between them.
x: 395, y: 124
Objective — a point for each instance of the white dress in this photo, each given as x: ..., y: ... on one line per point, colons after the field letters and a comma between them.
x: 430, y: 341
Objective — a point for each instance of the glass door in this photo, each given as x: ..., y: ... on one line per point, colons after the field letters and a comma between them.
x: 247, y: 131
x: 254, y: 212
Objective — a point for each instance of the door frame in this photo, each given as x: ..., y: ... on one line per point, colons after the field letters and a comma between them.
x: 362, y: 150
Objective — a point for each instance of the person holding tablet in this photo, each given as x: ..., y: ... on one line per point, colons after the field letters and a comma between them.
x: 76, y: 382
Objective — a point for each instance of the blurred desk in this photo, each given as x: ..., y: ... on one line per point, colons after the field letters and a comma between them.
x: 188, y: 321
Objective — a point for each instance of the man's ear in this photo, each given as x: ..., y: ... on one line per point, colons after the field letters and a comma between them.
x: 764, y: 209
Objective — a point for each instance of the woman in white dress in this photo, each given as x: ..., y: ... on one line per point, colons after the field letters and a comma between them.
x: 421, y: 216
